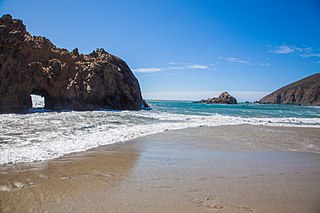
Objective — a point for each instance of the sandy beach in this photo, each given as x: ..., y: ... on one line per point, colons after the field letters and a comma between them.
x: 207, y: 169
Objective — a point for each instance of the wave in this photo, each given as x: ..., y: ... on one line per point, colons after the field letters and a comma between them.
x: 47, y: 135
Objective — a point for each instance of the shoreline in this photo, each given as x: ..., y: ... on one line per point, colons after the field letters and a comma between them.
x: 241, y: 168
x: 267, y: 125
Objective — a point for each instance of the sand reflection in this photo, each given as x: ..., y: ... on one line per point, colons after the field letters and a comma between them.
x: 39, y: 186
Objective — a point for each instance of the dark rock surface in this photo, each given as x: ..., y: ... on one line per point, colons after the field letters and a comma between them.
x: 224, y: 98
x: 67, y: 80
x: 303, y: 92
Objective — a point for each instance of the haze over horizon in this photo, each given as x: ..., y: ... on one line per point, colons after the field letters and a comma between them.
x: 188, y: 49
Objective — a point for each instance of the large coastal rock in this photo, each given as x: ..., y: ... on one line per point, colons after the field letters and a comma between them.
x: 67, y: 80
x: 224, y: 98
x: 302, y: 92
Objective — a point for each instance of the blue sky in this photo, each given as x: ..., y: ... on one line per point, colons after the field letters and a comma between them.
x: 187, y: 49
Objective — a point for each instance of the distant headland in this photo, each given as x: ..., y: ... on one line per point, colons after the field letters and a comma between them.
x: 67, y: 80
x: 303, y: 92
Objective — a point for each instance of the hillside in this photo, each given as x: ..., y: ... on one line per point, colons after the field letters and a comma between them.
x: 303, y: 92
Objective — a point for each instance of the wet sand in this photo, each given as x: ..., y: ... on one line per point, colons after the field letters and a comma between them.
x: 209, y: 169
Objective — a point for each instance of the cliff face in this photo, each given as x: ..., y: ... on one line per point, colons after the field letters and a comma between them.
x: 224, y: 98
x: 302, y: 92
x: 67, y: 80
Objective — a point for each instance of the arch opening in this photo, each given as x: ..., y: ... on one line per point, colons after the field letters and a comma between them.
x: 38, y: 101
x: 41, y: 99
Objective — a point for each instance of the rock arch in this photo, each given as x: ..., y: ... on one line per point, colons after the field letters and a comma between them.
x: 68, y: 80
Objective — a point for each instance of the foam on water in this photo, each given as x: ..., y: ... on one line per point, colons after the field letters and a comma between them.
x: 46, y: 135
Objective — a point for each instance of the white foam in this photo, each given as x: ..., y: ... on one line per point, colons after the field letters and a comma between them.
x: 41, y: 136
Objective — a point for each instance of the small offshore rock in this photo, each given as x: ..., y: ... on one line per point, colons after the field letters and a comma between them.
x: 224, y: 98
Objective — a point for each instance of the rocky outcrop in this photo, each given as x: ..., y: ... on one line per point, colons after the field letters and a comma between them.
x: 302, y: 92
x: 224, y: 98
x: 67, y: 80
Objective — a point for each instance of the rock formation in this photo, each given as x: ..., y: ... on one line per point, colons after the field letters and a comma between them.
x: 224, y: 98
x: 67, y: 80
x: 302, y: 92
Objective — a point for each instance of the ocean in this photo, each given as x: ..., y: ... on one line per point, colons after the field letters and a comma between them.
x: 41, y: 134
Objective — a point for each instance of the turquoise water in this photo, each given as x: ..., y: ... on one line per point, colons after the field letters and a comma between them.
x: 245, y: 110
x: 44, y: 134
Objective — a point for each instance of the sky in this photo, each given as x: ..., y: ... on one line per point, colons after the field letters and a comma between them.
x: 188, y: 49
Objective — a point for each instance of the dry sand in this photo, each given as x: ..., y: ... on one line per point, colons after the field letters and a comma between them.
x: 209, y: 169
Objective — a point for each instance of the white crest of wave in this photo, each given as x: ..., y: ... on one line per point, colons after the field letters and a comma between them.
x: 41, y: 136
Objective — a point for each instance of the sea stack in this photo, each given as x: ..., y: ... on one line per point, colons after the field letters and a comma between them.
x: 67, y: 80
x: 303, y: 92
x: 224, y: 98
